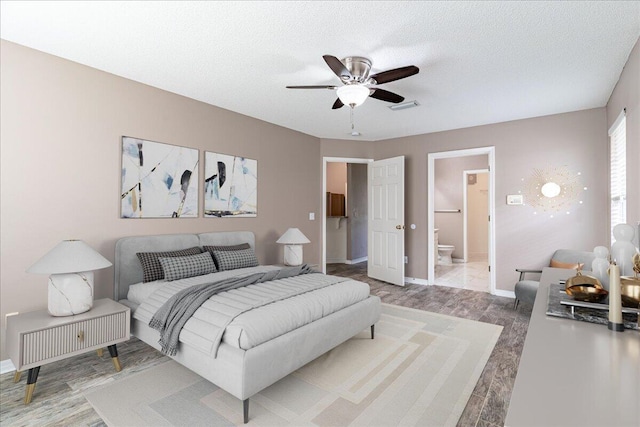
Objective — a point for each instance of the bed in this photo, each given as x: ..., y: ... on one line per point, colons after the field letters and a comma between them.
x: 238, y: 365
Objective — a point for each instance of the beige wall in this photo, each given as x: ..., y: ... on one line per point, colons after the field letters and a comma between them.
x: 60, y: 167
x: 627, y: 95
x: 578, y: 140
x: 336, y: 177
x: 477, y: 218
x: 449, y: 194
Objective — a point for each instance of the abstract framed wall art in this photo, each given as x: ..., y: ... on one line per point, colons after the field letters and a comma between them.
x: 158, y: 180
x: 230, y: 186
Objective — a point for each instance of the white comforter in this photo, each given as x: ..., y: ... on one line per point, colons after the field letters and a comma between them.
x: 254, y: 327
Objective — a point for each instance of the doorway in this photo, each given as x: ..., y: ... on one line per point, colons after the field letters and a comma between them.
x: 450, y: 215
x: 344, y: 227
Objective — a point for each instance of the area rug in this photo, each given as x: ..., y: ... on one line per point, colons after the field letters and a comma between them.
x: 420, y: 370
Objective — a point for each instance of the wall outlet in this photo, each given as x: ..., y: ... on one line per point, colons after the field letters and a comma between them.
x: 312, y: 216
x: 406, y: 259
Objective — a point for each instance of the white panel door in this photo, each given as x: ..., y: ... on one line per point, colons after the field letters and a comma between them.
x: 386, y: 220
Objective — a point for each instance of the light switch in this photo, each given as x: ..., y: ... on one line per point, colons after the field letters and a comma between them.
x: 312, y: 216
x: 515, y: 199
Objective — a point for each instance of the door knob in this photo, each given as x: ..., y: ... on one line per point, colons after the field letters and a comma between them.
x: 399, y: 227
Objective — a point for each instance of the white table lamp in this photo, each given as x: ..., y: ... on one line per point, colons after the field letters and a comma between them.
x: 293, y: 239
x: 70, y: 265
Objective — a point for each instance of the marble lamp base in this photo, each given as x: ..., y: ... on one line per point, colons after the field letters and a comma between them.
x: 293, y: 255
x: 70, y: 293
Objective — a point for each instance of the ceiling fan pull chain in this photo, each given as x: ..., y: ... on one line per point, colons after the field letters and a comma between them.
x: 351, y: 116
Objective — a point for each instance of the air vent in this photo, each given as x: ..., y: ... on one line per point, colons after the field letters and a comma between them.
x: 404, y: 105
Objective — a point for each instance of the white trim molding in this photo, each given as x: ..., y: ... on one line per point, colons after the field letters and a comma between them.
x: 357, y: 260
x: 503, y: 293
x: 416, y: 281
x: 6, y: 366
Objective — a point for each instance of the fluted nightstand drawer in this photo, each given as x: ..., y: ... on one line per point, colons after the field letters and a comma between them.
x: 37, y: 338
x: 40, y: 346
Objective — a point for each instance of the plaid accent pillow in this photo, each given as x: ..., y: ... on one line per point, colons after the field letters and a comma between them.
x: 230, y: 260
x: 151, y: 268
x: 211, y: 249
x: 180, y: 267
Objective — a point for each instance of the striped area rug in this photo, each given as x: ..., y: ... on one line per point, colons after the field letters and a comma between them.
x: 420, y: 370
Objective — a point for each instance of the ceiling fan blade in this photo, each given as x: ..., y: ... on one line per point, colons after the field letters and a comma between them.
x: 337, y: 104
x: 395, y: 74
x: 385, y: 95
x: 336, y: 66
x: 312, y: 87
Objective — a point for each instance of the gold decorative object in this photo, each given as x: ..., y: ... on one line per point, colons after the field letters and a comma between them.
x: 630, y: 291
x: 552, y: 189
x: 587, y: 293
x: 585, y: 288
x: 582, y: 280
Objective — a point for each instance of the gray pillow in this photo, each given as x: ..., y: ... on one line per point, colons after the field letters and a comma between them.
x: 181, y: 267
x: 238, y: 247
x: 151, y: 268
x: 230, y: 260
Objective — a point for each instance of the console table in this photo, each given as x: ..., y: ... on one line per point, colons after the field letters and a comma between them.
x: 37, y: 338
x: 574, y: 373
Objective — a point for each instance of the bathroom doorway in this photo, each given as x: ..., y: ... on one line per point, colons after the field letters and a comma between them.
x: 460, y: 214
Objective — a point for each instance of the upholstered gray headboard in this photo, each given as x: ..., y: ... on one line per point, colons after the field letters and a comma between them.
x: 128, y: 269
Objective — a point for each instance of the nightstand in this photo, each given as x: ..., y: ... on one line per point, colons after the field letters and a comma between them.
x: 37, y: 338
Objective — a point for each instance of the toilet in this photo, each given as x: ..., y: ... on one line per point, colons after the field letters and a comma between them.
x: 444, y: 254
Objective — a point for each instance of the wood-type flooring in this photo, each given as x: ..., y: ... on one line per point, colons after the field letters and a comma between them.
x: 487, y: 406
x: 58, y: 399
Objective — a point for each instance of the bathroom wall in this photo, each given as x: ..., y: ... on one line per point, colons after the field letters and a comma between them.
x: 449, y: 194
x: 477, y: 218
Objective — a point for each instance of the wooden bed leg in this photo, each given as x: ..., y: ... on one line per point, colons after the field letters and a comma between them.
x: 245, y: 410
x: 373, y: 327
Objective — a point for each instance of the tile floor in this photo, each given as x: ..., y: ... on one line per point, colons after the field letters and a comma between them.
x: 473, y: 275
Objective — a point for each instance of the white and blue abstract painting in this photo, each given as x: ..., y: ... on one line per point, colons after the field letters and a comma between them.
x: 230, y: 186
x: 158, y: 180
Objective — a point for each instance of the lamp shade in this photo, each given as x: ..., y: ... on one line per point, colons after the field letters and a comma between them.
x: 293, y: 236
x: 69, y: 256
x: 353, y: 95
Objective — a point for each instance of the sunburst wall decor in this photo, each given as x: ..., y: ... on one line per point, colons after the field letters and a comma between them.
x: 554, y: 189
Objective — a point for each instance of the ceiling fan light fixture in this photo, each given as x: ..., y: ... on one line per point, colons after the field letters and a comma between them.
x: 353, y: 95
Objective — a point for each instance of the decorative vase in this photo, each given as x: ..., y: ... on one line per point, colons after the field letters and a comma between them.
x: 623, y: 250
x: 600, y: 265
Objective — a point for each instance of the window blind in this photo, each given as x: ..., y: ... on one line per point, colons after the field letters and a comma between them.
x: 618, y: 171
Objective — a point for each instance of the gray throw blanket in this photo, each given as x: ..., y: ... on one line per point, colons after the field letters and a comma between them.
x: 172, y: 316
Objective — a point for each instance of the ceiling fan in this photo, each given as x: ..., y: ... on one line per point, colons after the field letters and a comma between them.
x: 353, y: 72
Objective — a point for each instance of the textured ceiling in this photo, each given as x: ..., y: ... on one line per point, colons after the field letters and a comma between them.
x: 480, y: 62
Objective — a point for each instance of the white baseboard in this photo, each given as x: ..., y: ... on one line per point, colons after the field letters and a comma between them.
x: 6, y: 366
x: 458, y: 260
x: 357, y: 260
x: 416, y: 281
x: 502, y: 293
